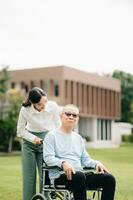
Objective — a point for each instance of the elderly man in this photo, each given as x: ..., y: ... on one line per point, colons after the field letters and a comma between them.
x: 65, y: 148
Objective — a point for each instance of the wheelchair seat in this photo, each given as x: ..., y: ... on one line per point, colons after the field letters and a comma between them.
x: 60, y: 192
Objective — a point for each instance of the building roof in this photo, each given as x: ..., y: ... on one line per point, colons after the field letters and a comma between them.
x: 67, y: 73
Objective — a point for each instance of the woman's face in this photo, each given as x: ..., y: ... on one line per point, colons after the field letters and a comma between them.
x: 41, y: 104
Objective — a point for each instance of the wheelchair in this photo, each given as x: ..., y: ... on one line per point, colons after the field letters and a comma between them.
x: 59, y: 192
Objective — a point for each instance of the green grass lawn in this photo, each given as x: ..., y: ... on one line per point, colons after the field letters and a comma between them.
x: 118, y: 161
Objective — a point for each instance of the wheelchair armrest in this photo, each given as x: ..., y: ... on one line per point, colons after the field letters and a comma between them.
x: 60, y: 169
x: 51, y: 167
x: 88, y: 168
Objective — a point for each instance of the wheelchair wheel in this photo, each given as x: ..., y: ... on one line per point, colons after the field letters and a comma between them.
x: 38, y: 196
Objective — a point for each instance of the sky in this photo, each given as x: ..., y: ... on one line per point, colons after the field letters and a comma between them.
x: 90, y: 35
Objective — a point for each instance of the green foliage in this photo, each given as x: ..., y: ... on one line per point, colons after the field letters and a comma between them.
x: 9, y: 109
x: 4, y: 78
x: 87, y: 138
x: 8, y: 127
x: 127, y: 138
x: 126, y: 95
x: 4, y: 135
x: 131, y: 138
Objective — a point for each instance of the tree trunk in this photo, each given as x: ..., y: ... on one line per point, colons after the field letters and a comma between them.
x: 10, y: 144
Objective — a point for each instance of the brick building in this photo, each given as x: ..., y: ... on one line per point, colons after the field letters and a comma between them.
x: 98, y: 98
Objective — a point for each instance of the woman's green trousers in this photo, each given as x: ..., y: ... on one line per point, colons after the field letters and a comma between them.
x: 32, y: 157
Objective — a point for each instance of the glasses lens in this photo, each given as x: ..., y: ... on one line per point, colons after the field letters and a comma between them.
x: 71, y: 114
x: 74, y: 115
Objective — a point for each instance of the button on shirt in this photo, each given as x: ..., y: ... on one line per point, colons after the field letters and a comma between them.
x: 32, y: 120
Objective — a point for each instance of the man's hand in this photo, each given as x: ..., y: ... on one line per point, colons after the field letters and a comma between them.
x: 100, y: 168
x: 38, y: 140
x: 68, y: 169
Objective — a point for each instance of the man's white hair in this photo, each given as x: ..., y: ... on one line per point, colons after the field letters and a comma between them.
x: 70, y: 108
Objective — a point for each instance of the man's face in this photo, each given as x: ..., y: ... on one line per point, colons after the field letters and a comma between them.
x: 70, y: 117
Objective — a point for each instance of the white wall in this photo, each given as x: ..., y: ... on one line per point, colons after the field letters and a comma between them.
x: 89, y: 128
x: 119, y: 128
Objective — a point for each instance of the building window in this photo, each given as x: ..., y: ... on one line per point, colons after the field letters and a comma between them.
x: 71, y: 90
x: 32, y: 84
x: 66, y: 89
x: 103, y: 129
x: 42, y: 84
x: 13, y: 85
x: 56, y: 88
x: 45, y: 86
x: 24, y: 86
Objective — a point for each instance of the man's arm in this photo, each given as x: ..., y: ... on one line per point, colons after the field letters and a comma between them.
x: 68, y: 169
x: 87, y: 161
x: 100, y: 168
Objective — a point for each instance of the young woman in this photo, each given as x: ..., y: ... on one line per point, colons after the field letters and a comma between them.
x: 37, y: 116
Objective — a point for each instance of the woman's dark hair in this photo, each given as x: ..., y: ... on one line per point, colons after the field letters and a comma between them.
x: 34, y: 96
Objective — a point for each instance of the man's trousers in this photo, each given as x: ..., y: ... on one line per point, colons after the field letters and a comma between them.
x: 80, y: 182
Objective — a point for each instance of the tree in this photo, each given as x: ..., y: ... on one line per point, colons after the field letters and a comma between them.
x: 11, y: 121
x: 126, y: 94
x: 4, y: 81
x: 10, y: 101
x: 15, y: 99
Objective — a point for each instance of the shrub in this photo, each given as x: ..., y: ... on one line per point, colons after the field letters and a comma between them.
x: 127, y: 138
x: 8, y: 128
x: 131, y: 138
x: 87, y: 138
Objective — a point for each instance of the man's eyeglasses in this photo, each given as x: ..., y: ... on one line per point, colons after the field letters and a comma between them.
x: 71, y: 114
